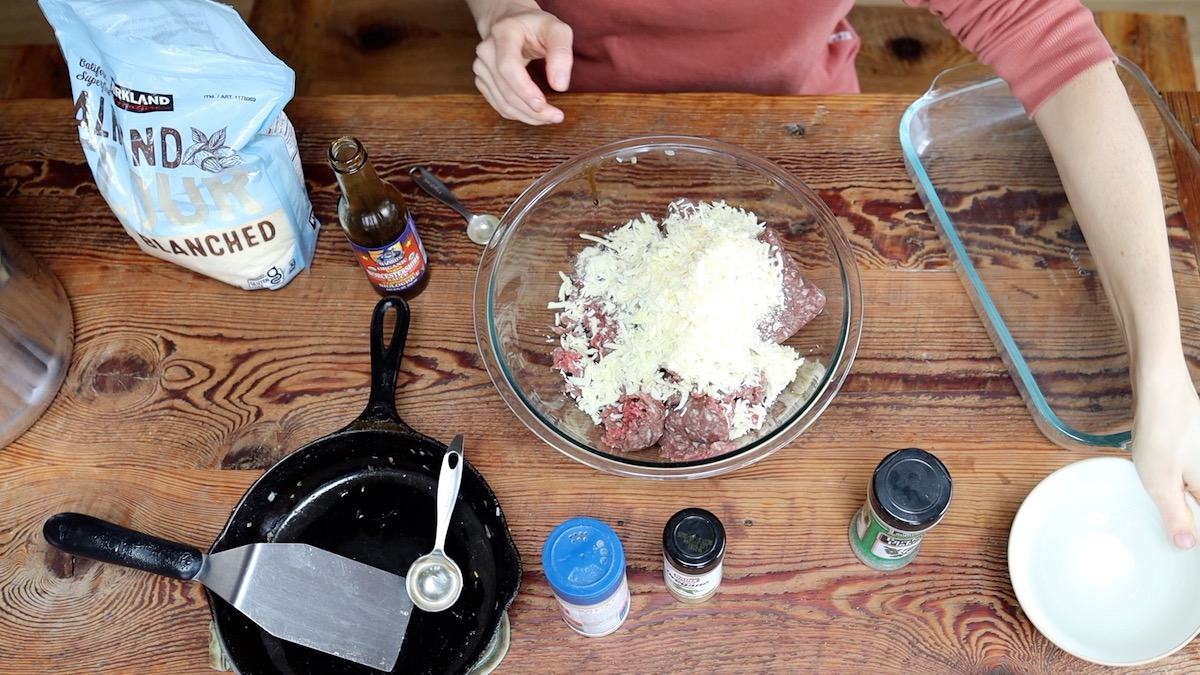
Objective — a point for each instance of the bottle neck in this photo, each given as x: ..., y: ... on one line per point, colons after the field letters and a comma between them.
x: 348, y: 157
x: 360, y: 185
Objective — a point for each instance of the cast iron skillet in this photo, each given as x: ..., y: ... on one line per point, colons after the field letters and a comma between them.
x: 367, y: 492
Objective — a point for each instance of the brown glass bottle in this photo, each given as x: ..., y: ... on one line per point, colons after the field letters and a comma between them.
x: 377, y: 223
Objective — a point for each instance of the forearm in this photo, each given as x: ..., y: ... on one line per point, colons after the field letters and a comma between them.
x: 1110, y: 178
x: 487, y: 12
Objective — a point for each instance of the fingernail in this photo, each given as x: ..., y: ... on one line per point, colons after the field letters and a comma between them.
x: 556, y: 117
x: 1185, y: 540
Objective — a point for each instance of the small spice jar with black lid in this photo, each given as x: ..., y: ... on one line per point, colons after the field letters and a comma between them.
x: 909, y: 494
x: 693, y: 554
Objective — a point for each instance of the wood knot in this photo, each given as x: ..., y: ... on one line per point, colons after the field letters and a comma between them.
x: 906, y: 48
x: 64, y: 565
x: 251, y: 457
x: 376, y: 35
x: 119, y: 370
x: 121, y: 374
x: 255, y: 446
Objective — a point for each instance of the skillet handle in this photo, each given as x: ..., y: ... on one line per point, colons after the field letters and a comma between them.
x: 385, y: 360
x: 89, y: 537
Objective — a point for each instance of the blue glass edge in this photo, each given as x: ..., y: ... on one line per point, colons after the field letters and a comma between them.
x: 945, y: 225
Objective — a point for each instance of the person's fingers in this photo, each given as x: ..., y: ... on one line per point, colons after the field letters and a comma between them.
x: 513, y: 82
x: 1186, y: 536
x: 490, y: 87
x: 1168, y: 493
x: 487, y: 86
x: 559, y: 56
x: 492, y: 91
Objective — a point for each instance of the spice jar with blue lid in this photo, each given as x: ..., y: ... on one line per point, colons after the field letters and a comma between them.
x: 585, y: 565
x: 909, y: 493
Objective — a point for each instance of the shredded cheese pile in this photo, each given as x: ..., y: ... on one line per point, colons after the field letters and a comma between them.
x: 688, y: 298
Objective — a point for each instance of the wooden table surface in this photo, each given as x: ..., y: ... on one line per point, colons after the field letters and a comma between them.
x: 182, y: 390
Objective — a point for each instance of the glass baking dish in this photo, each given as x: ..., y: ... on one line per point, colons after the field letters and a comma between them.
x: 993, y: 193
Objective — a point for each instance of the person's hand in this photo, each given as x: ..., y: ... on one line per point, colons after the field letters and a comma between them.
x: 1166, y: 450
x: 514, y: 34
x: 1108, y: 171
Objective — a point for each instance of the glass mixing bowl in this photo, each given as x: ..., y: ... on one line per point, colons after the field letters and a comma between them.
x: 599, y: 191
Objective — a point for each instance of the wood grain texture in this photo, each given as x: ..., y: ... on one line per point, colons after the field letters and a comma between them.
x: 182, y: 389
x: 421, y: 47
x: 1186, y: 160
x: 369, y: 47
x: 33, y: 71
x: 903, y: 48
x: 1156, y: 42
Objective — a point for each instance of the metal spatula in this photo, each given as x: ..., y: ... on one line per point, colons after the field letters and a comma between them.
x: 296, y: 592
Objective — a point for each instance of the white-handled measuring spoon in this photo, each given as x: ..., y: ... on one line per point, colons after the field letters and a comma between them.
x: 434, y: 581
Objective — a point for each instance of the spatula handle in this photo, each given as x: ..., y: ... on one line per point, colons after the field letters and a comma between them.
x: 90, y: 537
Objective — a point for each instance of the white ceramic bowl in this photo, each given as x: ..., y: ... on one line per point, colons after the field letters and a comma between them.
x: 1094, y: 569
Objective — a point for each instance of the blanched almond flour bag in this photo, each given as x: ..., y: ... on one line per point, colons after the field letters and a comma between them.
x: 180, y: 111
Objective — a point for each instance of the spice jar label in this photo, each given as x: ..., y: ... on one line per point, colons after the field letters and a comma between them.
x: 691, y: 586
x: 599, y: 619
x: 883, y: 544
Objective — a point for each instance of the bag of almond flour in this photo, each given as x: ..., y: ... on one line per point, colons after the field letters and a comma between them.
x: 180, y: 113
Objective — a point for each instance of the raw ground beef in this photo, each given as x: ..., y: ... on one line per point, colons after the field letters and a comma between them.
x: 802, y: 300
x: 635, y: 423
x: 701, y: 427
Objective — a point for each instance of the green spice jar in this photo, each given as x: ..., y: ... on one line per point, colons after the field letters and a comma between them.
x: 909, y: 493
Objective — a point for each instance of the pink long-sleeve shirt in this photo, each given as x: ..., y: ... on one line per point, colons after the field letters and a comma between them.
x: 807, y: 47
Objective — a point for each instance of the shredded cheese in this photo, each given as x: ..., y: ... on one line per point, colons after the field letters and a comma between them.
x: 687, y: 298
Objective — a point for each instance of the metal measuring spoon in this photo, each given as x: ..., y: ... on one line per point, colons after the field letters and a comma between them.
x: 434, y: 581
x: 479, y: 227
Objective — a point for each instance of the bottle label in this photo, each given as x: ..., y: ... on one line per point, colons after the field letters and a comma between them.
x: 600, y: 618
x: 879, y: 546
x: 397, y: 266
x: 691, y: 586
